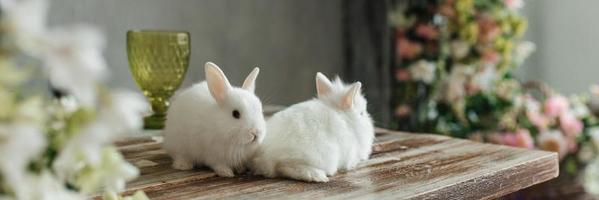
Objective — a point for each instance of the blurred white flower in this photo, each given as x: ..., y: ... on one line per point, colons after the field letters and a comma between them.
x: 594, y: 133
x: 19, y: 144
x: 47, y: 187
x: 10, y: 75
x: 485, y: 77
x: 578, y: 107
x: 456, y: 80
x: 7, y: 100
x: 423, y: 71
x: 120, y: 113
x: 112, y: 172
x: 31, y: 111
x: 72, y: 58
x: 74, y: 61
x: 586, y: 153
x: 523, y: 50
x: 505, y: 90
x: 459, y: 49
x: 25, y: 20
x: 594, y: 99
x: 591, y: 177
x: 126, y: 109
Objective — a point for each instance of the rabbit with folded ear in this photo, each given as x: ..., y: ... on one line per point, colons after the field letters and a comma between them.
x: 214, y: 124
x: 314, y: 139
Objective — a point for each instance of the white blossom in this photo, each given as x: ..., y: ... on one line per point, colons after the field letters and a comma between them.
x: 119, y: 113
x: 586, y: 153
x: 594, y: 99
x: 7, y: 101
x: 19, y: 144
x: 112, y: 172
x: 578, y: 107
x: 591, y: 177
x: 456, y: 80
x: 423, y: 71
x: 486, y: 77
x: 47, y: 187
x: 72, y: 58
x: 74, y: 61
x: 25, y: 20
x: 594, y: 133
x: 522, y: 51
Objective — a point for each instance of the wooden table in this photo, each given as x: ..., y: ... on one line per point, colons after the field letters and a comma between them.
x: 403, y: 166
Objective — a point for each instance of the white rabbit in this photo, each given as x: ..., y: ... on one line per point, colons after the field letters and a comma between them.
x: 314, y: 139
x: 214, y: 124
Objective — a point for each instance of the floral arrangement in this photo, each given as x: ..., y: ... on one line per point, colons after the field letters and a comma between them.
x: 454, y: 75
x: 58, y: 145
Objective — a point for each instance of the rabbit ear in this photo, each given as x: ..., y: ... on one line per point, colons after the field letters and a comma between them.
x: 218, y: 84
x: 323, y: 85
x: 347, y: 100
x: 250, y: 81
x: 338, y: 79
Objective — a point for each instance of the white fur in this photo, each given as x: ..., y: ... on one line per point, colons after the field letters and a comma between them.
x: 314, y: 139
x: 200, y: 130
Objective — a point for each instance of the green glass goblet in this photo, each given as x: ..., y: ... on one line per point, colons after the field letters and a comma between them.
x: 158, y: 62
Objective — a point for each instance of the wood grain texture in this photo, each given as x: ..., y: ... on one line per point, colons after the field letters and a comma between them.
x: 403, y: 166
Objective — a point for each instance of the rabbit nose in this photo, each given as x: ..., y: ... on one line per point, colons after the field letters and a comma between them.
x: 253, y: 135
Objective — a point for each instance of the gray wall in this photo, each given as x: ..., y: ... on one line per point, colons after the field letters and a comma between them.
x: 567, y: 37
x: 289, y: 39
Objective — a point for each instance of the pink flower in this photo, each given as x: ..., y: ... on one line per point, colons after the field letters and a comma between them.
x: 570, y: 125
x: 537, y: 119
x: 407, y: 49
x: 572, y: 145
x: 488, y: 27
x: 521, y: 138
x: 533, y: 113
x: 403, y: 75
x: 555, y: 105
x: 427, y: 32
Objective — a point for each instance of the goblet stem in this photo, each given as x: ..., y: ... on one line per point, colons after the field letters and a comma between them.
x: 159, y: 107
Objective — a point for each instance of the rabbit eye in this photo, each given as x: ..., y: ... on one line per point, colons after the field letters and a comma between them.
x: 236, y: 114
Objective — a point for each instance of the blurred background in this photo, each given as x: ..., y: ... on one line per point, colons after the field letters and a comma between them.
x: 291, y: 40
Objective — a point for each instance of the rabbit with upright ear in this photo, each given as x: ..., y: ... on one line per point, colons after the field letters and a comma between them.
x: 214, y: 124
x: 314, y: 139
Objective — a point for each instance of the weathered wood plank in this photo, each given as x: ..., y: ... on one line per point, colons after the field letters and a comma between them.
x: 403, y: 166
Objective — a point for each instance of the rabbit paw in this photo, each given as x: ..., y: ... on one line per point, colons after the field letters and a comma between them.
x: 349, y: 166
x: 316, y: 175
x: 182, y: 164
x: 223, y: 171
x: 304, y: 173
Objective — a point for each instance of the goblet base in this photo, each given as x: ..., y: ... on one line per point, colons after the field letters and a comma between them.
x: 155, y: 121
